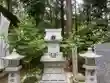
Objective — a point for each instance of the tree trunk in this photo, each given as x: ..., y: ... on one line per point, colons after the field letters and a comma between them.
x: 74, y: 61
x: 9, y: 5
x: 62, y: 17
x: 69, y: 28
x: 69, y: 17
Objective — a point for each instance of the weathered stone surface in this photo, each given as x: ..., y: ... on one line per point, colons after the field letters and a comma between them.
x: 103, y: 63
x: 53, y: 60
x: 14, y: 77
x: 4, y: 25
x: 54, y: 72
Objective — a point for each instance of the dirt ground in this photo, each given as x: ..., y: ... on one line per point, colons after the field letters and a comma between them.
x: 4, y: 79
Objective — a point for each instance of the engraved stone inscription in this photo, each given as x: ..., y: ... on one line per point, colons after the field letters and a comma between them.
x: 12, y: 74
x: 53, y: 55
x: 12, y: 78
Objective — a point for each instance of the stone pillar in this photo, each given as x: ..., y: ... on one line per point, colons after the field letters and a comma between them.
x: 53, y: 60
x: 14, y: 74
x: 13, y: 67
x: 4, y: 25
x: 103, y: 63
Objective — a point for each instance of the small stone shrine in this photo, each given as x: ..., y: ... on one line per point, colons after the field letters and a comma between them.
x: 13, y: 67
x: 53, y: 60
x: 90, y: 66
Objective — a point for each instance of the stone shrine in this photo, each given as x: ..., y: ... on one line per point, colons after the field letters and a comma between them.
x: 90, y: 66
x: 53, y: 60
x: 13, y: 67
x: 103, y: 63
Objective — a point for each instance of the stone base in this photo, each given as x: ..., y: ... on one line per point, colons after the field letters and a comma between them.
x: 53, y: 69
x: 53, y: 82
x: 54, y: 75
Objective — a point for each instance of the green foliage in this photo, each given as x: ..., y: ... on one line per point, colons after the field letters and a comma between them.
x: 85, y: 37
x: 32, y: 76
x: 97, y: 3
x: 35, y: 8
x: 44, y: 11
x: 28, y: 41
x: 31, y: 79
x: 92, y: 24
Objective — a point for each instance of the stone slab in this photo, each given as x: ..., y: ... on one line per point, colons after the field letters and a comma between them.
x: 103, y: 63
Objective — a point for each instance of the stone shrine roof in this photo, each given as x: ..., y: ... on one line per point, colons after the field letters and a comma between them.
x: 13, y: 56
x: 90, y: 54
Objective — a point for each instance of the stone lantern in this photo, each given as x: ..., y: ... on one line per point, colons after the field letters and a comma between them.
x: 13, y: 67
x: 53, y: 60
x: 90, y: 66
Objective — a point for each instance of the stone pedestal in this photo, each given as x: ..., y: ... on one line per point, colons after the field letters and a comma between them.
x: 53, y: 60
x: 53, y: 69
x: 91, y: 76
x: 14, y: 74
